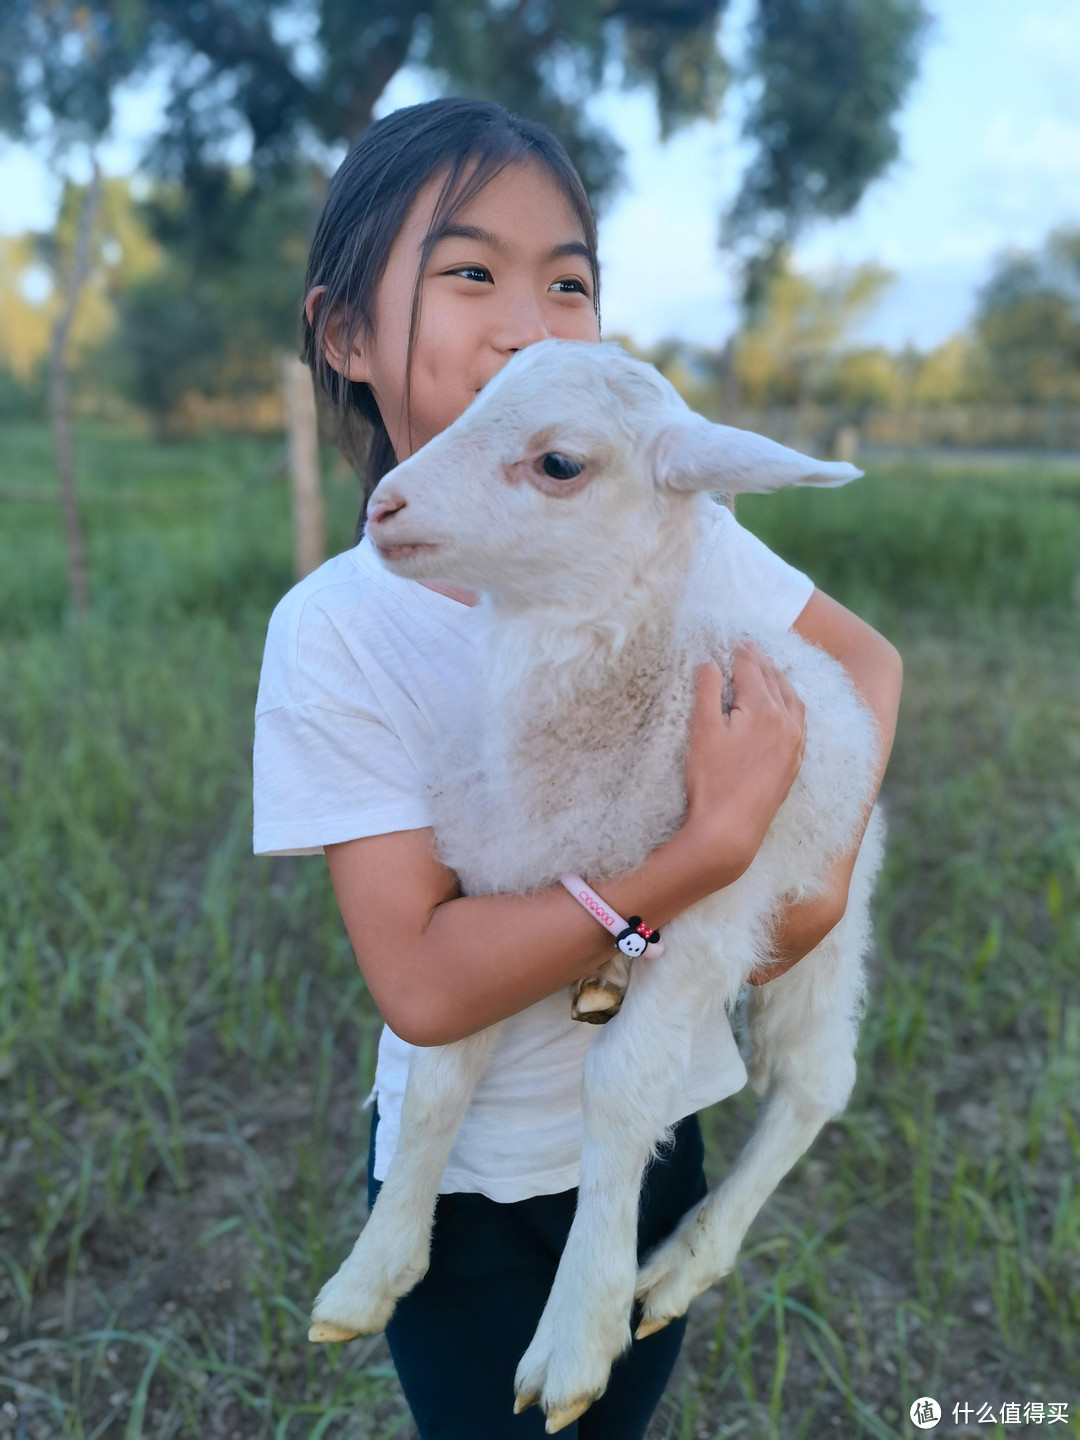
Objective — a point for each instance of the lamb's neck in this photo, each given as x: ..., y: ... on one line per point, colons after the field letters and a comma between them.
x: 540, y: 657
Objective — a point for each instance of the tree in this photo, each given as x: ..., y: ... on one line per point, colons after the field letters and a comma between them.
x: 829, y: 74
x: 941, y: 376
x: 59, y: 395
x: 213, y: 325
x: 1027, y: 323
x: 792, y: 350
x: 830, y: 78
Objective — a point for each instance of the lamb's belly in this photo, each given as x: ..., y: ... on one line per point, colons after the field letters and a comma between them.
x: 728, y: 931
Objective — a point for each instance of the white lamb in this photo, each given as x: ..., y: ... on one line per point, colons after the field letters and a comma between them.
x: 570, y: 494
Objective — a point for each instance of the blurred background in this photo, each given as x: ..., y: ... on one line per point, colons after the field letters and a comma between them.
x: 853, y: 225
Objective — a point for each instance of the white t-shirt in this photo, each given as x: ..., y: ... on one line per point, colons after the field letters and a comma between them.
x: 361, y: 670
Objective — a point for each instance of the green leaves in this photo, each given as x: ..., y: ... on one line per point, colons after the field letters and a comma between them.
x: 832, y: 76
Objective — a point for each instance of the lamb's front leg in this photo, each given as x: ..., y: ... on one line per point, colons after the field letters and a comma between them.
x: 631, y: 1073
x: 393, y: 1250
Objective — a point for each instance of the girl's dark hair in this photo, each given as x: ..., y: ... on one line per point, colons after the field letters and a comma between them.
x: 369, y: 198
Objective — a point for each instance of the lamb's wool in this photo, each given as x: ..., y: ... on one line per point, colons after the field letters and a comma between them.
x: 592, y: 640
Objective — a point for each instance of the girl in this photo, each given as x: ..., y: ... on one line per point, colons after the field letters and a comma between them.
x: 454, y: 234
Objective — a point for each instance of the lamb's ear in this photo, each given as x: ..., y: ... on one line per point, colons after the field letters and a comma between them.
x: 692, y: 453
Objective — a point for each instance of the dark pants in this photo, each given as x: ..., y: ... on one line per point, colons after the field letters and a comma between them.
x: 456, y: 1339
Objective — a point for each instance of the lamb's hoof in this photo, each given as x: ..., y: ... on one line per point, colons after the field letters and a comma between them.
x: 681, y: 1268
x: 326, y: 1332
x: 565, y: 1383
x: 360, y: 1297
x: 351, y: 1304
x: 559, y: 1419
x: 650, y: 1327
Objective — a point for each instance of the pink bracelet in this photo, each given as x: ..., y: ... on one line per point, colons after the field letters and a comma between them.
x: 631, y: 936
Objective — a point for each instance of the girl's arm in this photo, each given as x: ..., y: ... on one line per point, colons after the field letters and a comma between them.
x: 441, y: 965
x: 877, y: 671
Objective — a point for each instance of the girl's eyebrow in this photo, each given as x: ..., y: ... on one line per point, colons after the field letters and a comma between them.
x: 496, y: 243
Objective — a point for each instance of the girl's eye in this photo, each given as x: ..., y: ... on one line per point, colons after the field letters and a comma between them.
x: 480, y: 270
x: 561, y: 467
x: 466, y: 269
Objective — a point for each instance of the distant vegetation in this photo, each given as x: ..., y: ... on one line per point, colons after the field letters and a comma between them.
x: 152, y: 346
x: 185, y: 1038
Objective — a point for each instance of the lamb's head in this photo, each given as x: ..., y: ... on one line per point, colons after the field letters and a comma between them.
x: 574, y: 459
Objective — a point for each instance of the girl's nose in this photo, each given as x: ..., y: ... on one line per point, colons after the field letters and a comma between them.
x: 382, y: 508
x: 523, y: 322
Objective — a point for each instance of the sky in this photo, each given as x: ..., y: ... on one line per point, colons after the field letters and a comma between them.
x: 990, y: 158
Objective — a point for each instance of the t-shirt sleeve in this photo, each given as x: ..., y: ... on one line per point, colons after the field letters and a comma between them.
x: 327, y: 764
x: 749, y: 575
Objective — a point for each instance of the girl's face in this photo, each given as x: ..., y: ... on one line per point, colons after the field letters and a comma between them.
x: 520, y: 274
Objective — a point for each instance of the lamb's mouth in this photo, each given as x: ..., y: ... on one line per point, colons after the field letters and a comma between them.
x: 404, y: 551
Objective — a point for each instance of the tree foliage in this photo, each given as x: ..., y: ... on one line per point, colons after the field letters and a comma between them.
x: 33, y: 269
x: 1027, y: 323
x: 793, y: 350
x: 289, y: 74
x: 829, y: 77
x: 290, y: 82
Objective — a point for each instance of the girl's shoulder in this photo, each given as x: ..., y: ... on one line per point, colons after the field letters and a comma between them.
x: 736, y: 574
x: 310, y: 637
x: 352, y: 628
x: 336, y: 582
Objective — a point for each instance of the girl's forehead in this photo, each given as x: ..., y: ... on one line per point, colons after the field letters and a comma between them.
x: 497, y: 201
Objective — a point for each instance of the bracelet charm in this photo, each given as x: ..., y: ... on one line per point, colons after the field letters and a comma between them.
x: 632, y: 936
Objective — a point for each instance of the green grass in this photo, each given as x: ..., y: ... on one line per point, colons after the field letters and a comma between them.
x: 185, y: 1039
x: 918, y: 536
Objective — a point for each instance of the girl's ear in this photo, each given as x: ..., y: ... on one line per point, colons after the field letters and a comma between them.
x: 692, y: 453
x: 347, y: 362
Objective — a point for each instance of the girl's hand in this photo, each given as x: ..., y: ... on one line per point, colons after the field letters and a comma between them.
x: 740, y: 766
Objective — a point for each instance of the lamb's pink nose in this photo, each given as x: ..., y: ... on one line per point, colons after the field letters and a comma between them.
x: 382, y: 509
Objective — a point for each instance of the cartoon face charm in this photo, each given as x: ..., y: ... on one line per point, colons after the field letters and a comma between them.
x: 633, y: 940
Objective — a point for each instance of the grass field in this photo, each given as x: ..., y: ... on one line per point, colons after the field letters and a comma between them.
x: 185, y: 1039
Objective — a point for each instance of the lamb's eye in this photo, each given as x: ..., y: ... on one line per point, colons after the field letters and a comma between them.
x: 561, y: 467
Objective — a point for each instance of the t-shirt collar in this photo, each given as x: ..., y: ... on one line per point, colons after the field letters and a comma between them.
x: 410, y: 591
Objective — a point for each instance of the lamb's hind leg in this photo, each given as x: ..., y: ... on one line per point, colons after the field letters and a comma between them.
x: 803, y: 1028
x: 627, y: 1094
x: 393, y: 1250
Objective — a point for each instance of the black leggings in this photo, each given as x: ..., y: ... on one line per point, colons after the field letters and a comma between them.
x: 456, y: 1339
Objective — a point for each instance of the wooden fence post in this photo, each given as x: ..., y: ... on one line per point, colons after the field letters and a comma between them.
x: 308, y: 514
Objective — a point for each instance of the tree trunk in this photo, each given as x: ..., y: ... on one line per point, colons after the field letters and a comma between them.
x: 309, y: 522
x: 59, y: 400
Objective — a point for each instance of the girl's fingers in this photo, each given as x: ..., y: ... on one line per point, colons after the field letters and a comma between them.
x: 773, y: 682
x: 790, y: 694
x: 765, y: 670
x: 747, y: 679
